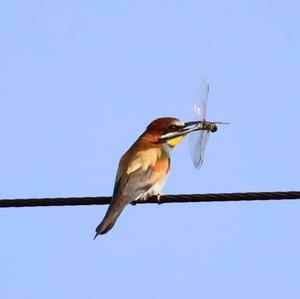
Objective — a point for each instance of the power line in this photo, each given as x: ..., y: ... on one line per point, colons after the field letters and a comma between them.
x: 179, y: 198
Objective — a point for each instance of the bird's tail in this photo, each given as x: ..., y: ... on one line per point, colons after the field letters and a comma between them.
x: 109, y: 220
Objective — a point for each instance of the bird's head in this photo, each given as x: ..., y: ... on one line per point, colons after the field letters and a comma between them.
x: 169, y: 130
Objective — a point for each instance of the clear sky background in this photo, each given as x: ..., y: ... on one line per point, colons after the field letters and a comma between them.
x: 80, y: 80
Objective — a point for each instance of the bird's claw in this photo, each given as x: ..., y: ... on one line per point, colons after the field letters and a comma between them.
x: 158, y: 198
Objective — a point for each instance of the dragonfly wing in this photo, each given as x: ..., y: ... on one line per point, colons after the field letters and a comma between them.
x: 197, y: 144
x: 198, y: 139
x: 201, y: 100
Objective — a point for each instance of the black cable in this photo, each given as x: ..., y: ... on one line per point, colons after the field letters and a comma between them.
x: 180, y: 198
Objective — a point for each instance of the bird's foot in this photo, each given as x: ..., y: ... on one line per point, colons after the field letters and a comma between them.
x: 159, y: 195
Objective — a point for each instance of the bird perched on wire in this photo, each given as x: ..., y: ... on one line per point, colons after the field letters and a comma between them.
x: 143, y: 169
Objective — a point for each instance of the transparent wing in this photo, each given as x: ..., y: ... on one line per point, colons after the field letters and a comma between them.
x: 201, y: 100
x: 198, y: 139
x: 197, y: 143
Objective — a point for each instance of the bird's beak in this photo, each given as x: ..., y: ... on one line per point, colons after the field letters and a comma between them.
x: 189, y: 127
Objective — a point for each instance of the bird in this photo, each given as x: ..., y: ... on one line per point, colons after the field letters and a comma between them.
x: 144, y: 168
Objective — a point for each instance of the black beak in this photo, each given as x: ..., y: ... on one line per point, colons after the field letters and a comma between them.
x: 192, y: 123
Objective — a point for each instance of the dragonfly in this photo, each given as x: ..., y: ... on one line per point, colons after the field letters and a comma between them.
x: 198, y: 139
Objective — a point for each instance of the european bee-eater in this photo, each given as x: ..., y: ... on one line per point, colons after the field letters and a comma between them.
x: 143, y: 169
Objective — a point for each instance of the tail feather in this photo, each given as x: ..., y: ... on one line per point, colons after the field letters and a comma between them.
x: 108, y: 221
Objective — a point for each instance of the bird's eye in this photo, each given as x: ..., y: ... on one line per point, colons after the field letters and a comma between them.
x: 173, y: 127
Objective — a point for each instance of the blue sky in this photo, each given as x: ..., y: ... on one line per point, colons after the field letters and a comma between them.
x: 81, y: 80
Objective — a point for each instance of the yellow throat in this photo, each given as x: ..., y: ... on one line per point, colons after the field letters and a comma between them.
x: 172, y: 142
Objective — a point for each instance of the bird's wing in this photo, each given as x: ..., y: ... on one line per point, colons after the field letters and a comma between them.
x: 133, y: 185
x: 137, y: 173
x: 134, y: 178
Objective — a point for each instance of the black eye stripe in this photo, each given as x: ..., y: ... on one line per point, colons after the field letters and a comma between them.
x: 173, y: 127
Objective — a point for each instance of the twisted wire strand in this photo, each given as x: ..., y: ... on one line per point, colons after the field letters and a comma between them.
x: 178, y: 198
